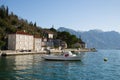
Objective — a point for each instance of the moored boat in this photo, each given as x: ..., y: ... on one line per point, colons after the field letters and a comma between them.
x: 64, y: 57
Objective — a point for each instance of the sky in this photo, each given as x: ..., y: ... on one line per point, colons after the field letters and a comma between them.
x: 82, y: 15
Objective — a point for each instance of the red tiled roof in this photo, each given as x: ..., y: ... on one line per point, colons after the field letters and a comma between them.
x: 48, y: 31
x: 22, y: 32
x: 37, y: 36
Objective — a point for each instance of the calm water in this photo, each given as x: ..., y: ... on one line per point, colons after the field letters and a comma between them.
x: 32, y: 67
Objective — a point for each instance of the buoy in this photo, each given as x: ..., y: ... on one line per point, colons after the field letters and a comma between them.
x: 105, y: 59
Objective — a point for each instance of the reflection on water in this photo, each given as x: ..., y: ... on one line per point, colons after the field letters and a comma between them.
x: 91, y: 67
x: 14, y: 67
x: 59, y: 69
x: 23, y: 62
x: 6, y: 68
x: 33, y: 67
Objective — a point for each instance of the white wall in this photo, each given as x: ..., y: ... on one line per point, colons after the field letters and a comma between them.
x: 50, y: 36
x: 11, y: 41
x: 37, y: 44
x: 20, y: 42
x: 24, y: 42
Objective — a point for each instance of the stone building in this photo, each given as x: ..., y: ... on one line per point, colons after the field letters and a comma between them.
x: 37, y: 46
x: 20, y: 41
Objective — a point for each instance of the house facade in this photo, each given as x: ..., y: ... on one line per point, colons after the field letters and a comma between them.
x: 24, y: 41
x: 49, y: 36
x: 37, y: 43
x: 60, y: 44
x: 20, y: 41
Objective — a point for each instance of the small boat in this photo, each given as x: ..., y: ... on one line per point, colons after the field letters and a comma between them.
x: 66, y: 56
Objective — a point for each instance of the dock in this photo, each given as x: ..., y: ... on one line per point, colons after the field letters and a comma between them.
x: 13, y: 53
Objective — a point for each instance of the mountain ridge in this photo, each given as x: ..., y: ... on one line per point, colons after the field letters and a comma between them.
x: 97, y: 38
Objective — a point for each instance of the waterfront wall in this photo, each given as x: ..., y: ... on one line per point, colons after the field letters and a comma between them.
x: 12, y: 52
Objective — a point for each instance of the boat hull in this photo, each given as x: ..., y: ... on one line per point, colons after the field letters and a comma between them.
x: 62, y: 58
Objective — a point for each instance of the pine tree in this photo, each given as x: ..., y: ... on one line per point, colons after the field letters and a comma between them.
x: 7, y: 11
x: 35, y: 24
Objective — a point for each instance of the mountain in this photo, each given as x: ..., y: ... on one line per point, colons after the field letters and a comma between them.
x: 97, y: 38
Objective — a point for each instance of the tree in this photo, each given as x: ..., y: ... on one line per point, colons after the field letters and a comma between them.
x: 54, y: 31
x: 31, y: 24
x: 67, y: 37
x: 2, y: 44
x: 35, y: 24
x: 2, y: 11
x: 7, y: 11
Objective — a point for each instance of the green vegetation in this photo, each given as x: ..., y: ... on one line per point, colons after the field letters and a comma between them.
x: 66, y: 36
x: 69, y: 39
x: 10, y: 23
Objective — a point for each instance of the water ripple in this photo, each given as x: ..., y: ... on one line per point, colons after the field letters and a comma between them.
x: 32, y: 67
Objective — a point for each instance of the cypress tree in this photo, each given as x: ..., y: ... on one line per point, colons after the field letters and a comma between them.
x: 7, y: 11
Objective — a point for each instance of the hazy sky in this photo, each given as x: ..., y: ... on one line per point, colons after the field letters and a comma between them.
x: 74, y: 14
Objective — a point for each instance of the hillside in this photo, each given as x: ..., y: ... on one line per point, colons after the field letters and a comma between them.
x: 10, y: 23
x: 97, y: 38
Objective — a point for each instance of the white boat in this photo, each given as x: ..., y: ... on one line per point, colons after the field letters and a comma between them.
x: 64, y: 57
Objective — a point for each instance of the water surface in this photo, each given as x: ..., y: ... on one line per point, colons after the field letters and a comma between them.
x: 91, y: 67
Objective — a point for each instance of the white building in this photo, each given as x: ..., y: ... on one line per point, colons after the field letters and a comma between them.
x: 37, y: 43
x: 48, y: 34
x: 44, y: 43
x: 20, y: 41
x: 24, y: 41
